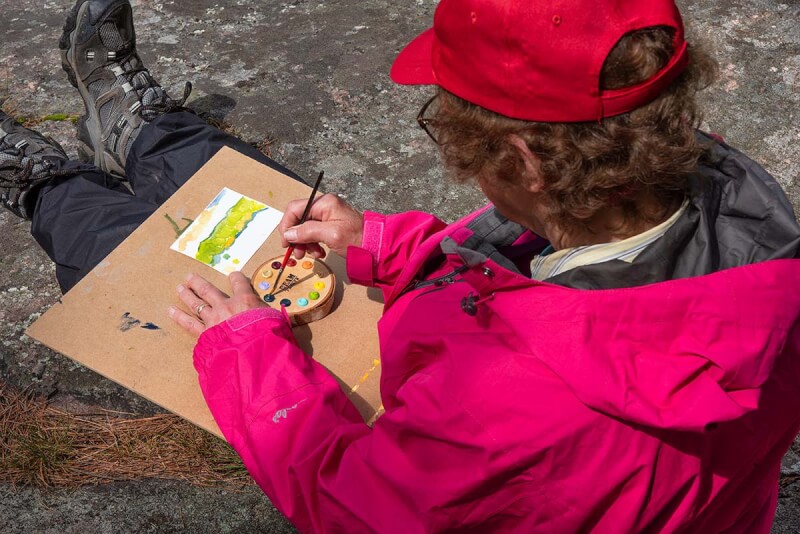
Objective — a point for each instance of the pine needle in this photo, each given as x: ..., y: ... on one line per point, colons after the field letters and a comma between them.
x: 47, y: 447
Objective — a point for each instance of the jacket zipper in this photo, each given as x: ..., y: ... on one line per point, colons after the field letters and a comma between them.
x: 448, y: 278
x: 435, y: 289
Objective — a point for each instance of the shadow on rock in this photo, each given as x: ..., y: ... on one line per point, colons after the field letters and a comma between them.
x: 214, y: 107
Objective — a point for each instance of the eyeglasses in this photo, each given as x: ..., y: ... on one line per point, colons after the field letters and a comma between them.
x: 424, y: 123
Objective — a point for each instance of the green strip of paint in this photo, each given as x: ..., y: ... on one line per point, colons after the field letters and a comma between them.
x: 228, y: 229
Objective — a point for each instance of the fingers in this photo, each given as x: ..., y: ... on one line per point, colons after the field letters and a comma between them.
x: 312, y: 249
x: 192, y: 301
x: 240, y: 285
x: 205, y: 290
x: 324, y: 208
x: 331, y: 222
x: 211, y: 305
x: 312, y: 232
x: 186, y: 321
x: 292, y: 215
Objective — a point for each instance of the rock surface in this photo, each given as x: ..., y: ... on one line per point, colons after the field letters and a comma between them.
x: 311, y: 77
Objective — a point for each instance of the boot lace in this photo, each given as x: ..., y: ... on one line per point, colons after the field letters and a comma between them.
x: 155, y: 100
x: 28, y: 171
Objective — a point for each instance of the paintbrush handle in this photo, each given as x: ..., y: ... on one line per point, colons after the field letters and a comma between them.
x: 286, y: 256
x: 302, y: 220
x: 311, y: 198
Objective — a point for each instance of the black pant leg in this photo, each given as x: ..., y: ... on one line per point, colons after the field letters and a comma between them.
x: 169, y: 150
x: 79, y: 218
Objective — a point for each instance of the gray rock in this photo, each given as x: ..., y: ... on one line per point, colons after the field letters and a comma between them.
x: 38, y: 369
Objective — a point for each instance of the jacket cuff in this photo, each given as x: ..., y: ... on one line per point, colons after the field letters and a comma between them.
x: 372, y: 233
x: 248, y: 317
x: 362, y: 261
x: 360, y: 266
x: 231, y: 329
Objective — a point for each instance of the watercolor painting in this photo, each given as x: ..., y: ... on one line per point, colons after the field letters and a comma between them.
x: 228, y: 232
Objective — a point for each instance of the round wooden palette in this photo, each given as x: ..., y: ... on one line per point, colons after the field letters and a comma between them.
x: 305, y: 289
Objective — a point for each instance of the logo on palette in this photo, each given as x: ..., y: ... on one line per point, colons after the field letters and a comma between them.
x: 290, y: 282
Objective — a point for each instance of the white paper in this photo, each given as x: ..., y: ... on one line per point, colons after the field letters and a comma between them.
x: 228, y: 232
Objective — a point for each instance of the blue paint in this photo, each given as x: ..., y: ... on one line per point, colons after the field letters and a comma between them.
x: 286, y: 303
x: 302, y: 302
x: 128, y: 322
x: 269, y: 298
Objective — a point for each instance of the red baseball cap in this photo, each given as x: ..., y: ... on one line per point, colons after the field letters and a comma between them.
x: 537, y: 60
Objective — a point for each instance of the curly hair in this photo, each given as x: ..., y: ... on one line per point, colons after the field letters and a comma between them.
x: 639, y: 161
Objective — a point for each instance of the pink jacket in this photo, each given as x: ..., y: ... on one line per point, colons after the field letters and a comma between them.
x: 661, y: 408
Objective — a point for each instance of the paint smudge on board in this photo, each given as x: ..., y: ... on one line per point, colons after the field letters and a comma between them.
x: 129, y: 321
x: 175, y: 227
x: 375, y: 364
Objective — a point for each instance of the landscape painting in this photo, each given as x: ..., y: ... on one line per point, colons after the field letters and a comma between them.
x: 227, y: 233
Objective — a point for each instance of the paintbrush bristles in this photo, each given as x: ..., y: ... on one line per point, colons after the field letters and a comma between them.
x: 277, y: 279
x: 283, y: 266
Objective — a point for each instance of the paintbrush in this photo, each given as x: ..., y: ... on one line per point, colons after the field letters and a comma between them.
x: 302, y: 220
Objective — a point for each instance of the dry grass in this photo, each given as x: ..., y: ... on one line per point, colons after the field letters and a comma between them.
x: 43, y: 446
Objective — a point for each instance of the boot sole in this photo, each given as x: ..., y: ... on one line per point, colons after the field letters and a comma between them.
x: 100, y: 159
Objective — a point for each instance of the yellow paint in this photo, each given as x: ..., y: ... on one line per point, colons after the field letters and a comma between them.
x: 365, y: 376
x: 319, y: 285
x: 194, y: 234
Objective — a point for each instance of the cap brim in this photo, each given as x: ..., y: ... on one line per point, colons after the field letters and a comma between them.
x: 414, y: 64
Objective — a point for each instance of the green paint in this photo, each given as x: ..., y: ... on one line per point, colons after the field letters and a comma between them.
x: 178, y: 230
x: 228, y: 229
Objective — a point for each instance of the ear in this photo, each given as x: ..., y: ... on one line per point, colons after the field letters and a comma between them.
x: 533, y: 178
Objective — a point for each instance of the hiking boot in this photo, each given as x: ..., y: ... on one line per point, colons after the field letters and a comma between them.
x: 98, y: 52
x: 27, y: 160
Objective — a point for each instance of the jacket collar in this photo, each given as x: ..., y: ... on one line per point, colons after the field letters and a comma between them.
x: 737, y: 215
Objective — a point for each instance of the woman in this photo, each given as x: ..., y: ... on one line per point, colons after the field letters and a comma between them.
x: 609, y: 346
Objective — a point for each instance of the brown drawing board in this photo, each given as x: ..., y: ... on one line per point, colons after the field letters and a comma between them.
x: 115, y: 320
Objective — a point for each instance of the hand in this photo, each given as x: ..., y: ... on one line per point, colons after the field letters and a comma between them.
x: 331, y: 222
x: 210, y: 305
